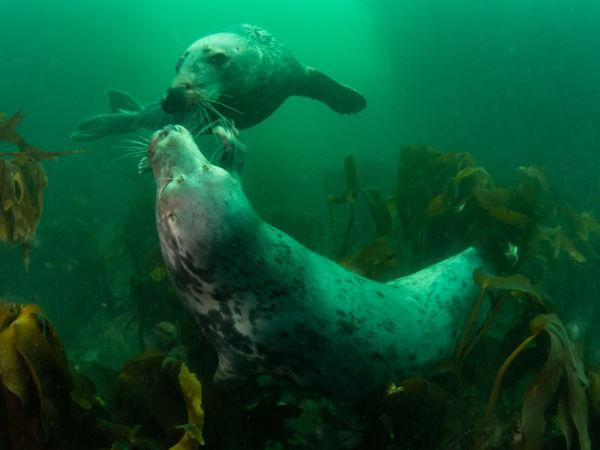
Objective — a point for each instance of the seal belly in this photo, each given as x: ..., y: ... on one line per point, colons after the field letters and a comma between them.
x: 286, y: 310
x: 349, y: 336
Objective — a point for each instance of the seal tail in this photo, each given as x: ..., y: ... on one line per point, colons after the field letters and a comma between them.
x: 339, y: 97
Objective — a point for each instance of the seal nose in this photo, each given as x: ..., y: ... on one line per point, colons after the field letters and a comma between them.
x: 178, y: 99
x: 170, y: 127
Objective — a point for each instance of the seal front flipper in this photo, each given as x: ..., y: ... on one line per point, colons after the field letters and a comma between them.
x: 234, y: 151
x: 339, y: 97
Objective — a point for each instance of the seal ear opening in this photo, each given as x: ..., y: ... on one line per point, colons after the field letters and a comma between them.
x: 339, y: 97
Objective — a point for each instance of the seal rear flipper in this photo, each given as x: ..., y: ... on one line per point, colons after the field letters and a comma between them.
x: 339, y: 97
x: 150, y: 116
x: 103, y: 125
x: 120, y: 101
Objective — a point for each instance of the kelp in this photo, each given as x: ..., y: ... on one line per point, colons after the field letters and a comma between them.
x: 22, y: 183
x: 594, y: 394
x: 34, y: 378
x: 514, y: 286
x: 415, y: 409
x: 145, y: 394
x: 446, y: 202
x: 192, y: 394
x: 562, y: 379
x: 375, y: 258
x: 410, y: 414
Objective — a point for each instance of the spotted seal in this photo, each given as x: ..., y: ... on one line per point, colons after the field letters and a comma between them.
x: 266, y: 303
x: 244, y: 75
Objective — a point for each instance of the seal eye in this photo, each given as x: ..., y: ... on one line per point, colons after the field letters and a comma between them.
x: 218, y: 59
x: 178, y: 65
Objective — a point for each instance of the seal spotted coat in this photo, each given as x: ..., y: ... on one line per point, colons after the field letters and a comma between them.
x: 243, y: 75
x: 266, y: 303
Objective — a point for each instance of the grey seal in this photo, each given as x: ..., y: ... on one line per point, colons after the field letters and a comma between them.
x: 268, y: 304
x: 242, y: 75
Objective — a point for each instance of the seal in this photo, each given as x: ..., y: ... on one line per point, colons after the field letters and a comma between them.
x: 268, y: 304
x: 243, y: 75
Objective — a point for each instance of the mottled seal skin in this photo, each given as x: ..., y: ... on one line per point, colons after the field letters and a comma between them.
x: 268, y: 304
x: 244, y: 75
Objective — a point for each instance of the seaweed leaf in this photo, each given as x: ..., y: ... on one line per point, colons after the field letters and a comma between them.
x: 562, y: 377
x: 562, y: 373
x: 192, y: 394
x: 373, y: 260
x: 379, y: 211
x: 22, y: 182
x: 515, y: 285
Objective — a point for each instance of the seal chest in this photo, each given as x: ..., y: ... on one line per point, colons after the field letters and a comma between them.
x: 266, y: 303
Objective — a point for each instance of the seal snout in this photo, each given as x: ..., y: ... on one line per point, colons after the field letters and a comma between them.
x: 180, y: 98
x: 160, y: 136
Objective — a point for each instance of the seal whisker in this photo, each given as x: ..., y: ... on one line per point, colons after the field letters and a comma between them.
x: 135, y: 142
x: 155, y: 119
x: 205, y: 125
x: 209, y: 125
x: 226, y: 106
x: 124, y: 156
x: 217, y: 150
x: 218, y: 114
x: 141, y: 138
x: 142, y: 120
x: 130, y: 149
x: 148, y: 120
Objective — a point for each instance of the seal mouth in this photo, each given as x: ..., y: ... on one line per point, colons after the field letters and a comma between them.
x: 160, y: 136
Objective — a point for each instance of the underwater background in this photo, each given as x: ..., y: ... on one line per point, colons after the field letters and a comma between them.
x: 513, y: 83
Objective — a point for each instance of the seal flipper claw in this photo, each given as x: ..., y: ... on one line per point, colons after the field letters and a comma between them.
x: 120, y: 101
x: 232, y: 158
x: 339, y: 97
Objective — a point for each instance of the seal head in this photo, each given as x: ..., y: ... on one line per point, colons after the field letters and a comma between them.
x: 245, y: 74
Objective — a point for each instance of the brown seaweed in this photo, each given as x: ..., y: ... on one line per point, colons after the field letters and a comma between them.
x: 192, y: 394
x: 34, y: 378
x: 512, y: 286
x: 562, y: 377
x: 22, y: 183
x: 374, y: 260
x: 378, y: 207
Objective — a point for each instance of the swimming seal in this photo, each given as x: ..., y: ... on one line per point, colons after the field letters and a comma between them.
x: 268, y: 304
x: 244, y: 75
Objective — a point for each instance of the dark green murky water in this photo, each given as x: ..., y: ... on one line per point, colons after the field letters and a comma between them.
x: 514, y: 83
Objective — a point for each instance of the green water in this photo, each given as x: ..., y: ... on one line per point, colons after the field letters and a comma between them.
x: 512, y: 82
